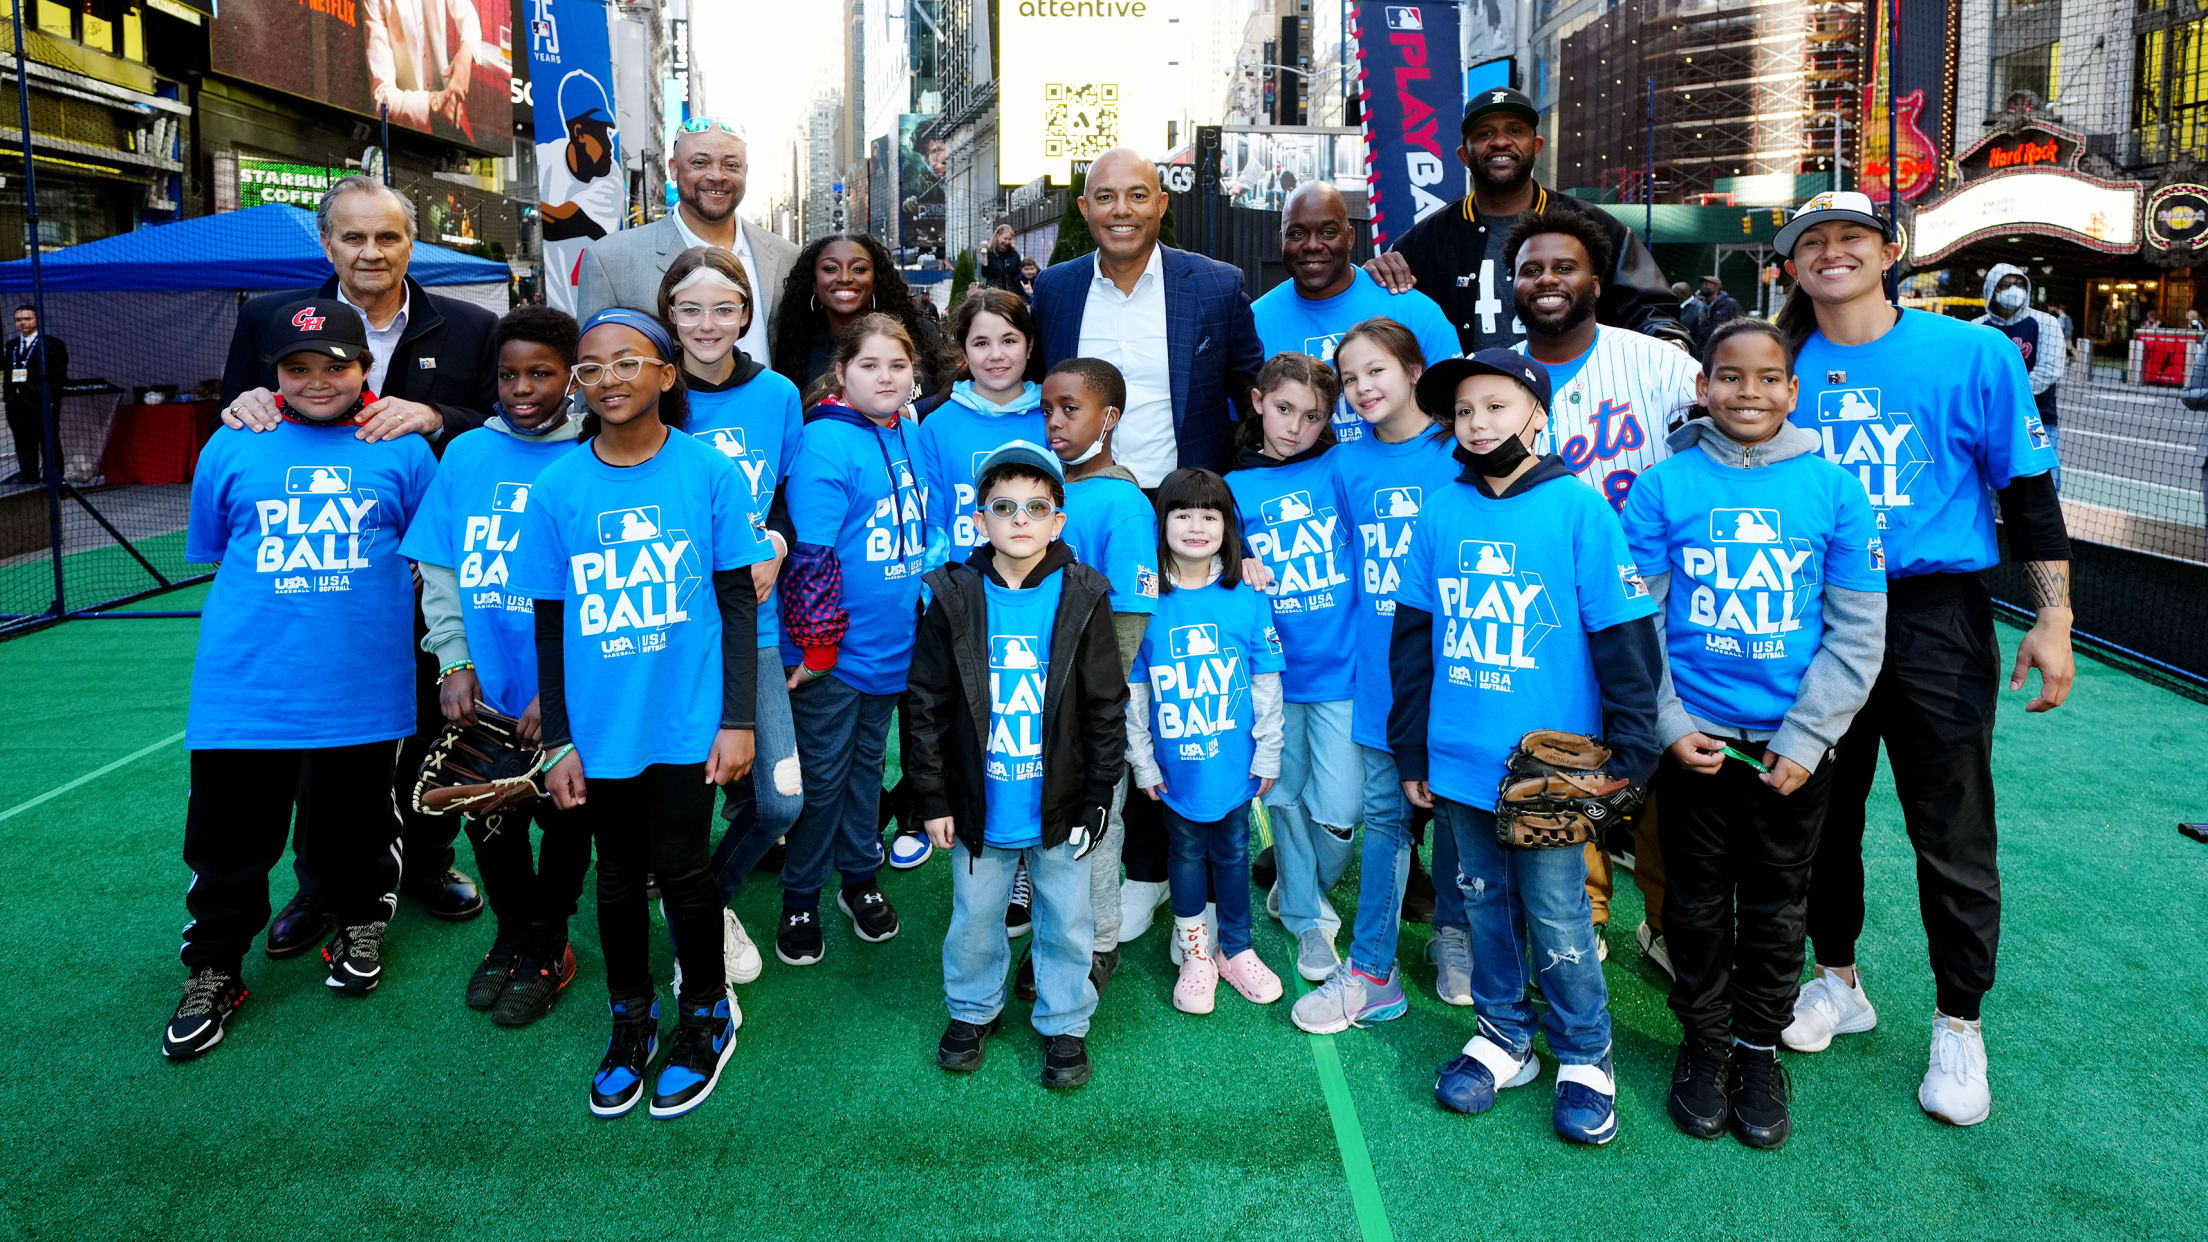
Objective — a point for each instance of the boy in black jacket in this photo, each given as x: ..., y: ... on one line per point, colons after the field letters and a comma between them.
x: 1018, y: 701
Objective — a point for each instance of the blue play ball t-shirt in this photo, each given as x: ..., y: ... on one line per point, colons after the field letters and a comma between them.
x: 631, y: 551
x: 1288, y: 321
x: 1198, y: 656
x: 957, y: 438
x: 1298, y: 521
x: 758, y: 426
x: 855, y: 488
x: 306, y: 638
x: 1386, y: 484
x: 1112, y: 528
x: 1932, y: 418
x: 1514, y: 587
x: 1020, y: 625
x: 1749, y: 553
x: 471, y: 523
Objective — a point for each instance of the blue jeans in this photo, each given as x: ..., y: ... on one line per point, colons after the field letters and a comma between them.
x: 1217, y: 851
x: 761, y: 807
x: 1313, y: 808
x: 976, y: 954
x: 1518, y: 899
x: 842, y: 740
x: 1387, y: 868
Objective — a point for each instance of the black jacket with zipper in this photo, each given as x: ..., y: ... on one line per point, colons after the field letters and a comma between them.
x: 1084, y: 699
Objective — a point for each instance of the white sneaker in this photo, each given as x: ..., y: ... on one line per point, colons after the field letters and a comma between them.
x: 1138, y: 904
x: 1955, y: 1089
x: 1211, y: 933
x: 1654, y: 949
x: 1828, y: 1006
x: 739, y: 956
x: 1272, y: 902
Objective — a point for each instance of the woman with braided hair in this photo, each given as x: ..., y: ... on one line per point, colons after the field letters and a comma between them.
x: 835, y: 280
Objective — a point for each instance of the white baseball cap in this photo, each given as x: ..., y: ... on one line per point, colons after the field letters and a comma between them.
x: 1830, y: 205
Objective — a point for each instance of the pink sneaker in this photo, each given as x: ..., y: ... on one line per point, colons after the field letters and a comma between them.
x: 1199, y: 974
x: 1250, y: 976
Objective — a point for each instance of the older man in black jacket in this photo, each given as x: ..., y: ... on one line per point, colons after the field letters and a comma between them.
x: 434, y: 373
x: 1455, y: 256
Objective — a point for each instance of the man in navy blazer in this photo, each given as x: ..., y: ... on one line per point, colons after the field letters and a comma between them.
x: 1176, y: 324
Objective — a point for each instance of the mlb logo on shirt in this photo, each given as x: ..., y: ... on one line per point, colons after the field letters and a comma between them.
x: 629, y: 525
x: 1322, y: 347
x: 1487, y: 556
x: 1146, y: 582
x: 318, y: 480
x: 1272, y: 640
x: 1012, y: 651
x: 1189, y: 641
x: 1848, y: 405
x: 1405, y: 17
x: 1398, y: 502
x: 510, y: 498
x: 1293, y: 507
x: 1629, y: 581
x: 730, y: 440
x: 1744, y: 526
x: 1878, y: 554
x: 2036, y: 430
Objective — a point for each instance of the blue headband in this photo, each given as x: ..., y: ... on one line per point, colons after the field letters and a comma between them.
x: 653, y: 330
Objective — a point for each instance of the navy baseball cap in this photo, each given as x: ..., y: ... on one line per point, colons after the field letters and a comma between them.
x: 1499, y: 99
x: 317, y: 326
x: 1023, y: 453
x: 1437, y: 388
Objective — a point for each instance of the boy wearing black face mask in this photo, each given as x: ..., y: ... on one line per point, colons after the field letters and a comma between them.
x: 1520, y: 609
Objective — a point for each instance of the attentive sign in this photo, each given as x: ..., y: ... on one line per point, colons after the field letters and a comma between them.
x: 1411, y: 72
x: 2099, y: 215
x: 1078, y: 78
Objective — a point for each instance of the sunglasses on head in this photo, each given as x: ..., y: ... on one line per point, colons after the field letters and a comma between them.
x: 1037, y: 508
x: 700, y: 124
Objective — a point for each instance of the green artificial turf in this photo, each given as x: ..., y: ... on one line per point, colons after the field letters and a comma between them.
x: 405, y: 1115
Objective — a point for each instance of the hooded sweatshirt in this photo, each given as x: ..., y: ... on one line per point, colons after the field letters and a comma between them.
x: 955, y: 437
x: 2038, y: 336
x: 462, y: 538
x: 1297, y: 519
x: 755, y: 419
x: 1777, y: 630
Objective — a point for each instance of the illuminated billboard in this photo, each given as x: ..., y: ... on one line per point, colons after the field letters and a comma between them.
x: 1079, y: 78
x: 442, y: 67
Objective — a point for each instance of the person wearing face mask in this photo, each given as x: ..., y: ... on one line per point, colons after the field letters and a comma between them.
x: 1456, y: 255
x: 2038, y: 336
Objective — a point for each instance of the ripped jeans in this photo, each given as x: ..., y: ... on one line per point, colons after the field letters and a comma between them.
x: 1516, y: 900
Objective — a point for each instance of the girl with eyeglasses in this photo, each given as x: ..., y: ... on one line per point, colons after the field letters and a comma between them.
x: 752, y: 416
x: 645, y: 687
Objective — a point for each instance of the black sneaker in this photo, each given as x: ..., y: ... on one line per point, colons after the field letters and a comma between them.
x: 798, y: 941
x: 541, y: 973
x: 1102, y: 966
x: 355, y: 955
x: 619, y: 1081
x: 447, y: 894
x: 1019, y: 908
x: 1418, y: 893
x: 298, y: 927
x: 873, y: 919
x: 705, y: 1036
x: 1023, y: 982
x: 210, y: 997
x: 964, y: 1045
x: 1065, y: 1061
x: 1697, y: 1101
x: 1758, y: 1088
x: 497, y: 970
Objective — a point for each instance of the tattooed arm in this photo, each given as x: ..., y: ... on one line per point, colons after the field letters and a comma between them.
x: 2033, y: 514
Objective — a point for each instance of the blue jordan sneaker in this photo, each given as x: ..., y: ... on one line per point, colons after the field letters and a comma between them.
x: 705, y: 1035
x: 1468, y: 1082
x: 619, y: 1082
x: 1587, y: 1103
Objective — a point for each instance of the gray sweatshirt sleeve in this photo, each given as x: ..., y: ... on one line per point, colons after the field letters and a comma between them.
x: 1265, y: 697
x: 1672, y: 721
x: 1140, y: 756
x: 1839, y: 678
x: 447, y: 637
x: 2047, y: 363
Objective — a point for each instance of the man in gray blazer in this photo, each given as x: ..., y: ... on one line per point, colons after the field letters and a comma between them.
x: 709, y: 168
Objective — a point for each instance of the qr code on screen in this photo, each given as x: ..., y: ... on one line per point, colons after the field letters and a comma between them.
x: 1080, y: 119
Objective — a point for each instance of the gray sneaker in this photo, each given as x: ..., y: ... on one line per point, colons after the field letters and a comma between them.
x: 1315, y: 955
x: 1348, y: 999
x: 1451, y: 953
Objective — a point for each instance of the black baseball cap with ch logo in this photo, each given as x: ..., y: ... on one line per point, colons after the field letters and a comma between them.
x: 323, y: 326
x: 1499, y: 99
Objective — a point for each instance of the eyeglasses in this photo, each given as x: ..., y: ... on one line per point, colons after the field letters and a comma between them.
x: 690, y: 314
x: 700, y: 124
x: 1036, y: 508
x: 592, y: 374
